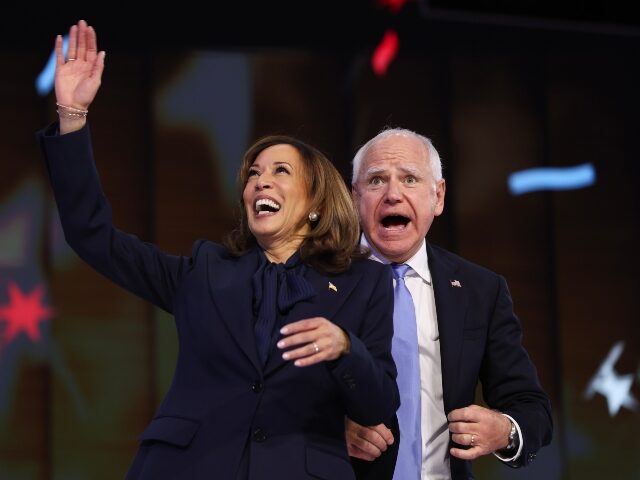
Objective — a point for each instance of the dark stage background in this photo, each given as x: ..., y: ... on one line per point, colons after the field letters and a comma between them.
x: 499, y: 88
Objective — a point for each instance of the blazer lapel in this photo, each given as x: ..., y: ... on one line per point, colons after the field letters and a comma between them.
x: 235, y: 304
x: 451, y: 309
x: 331, y: 293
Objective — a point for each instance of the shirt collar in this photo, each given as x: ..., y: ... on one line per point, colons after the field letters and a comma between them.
x: 419, y: 263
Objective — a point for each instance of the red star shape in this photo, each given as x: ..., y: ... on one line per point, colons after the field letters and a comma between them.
x: 23, y: 313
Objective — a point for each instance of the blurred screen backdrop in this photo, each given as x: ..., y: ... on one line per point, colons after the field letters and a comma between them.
x: 84, y: 364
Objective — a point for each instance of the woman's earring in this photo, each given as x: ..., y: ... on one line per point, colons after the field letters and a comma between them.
x: 313, y: 217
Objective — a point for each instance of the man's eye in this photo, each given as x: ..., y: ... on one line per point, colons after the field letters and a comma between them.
x: 375, y: 181
x: 411, y: 179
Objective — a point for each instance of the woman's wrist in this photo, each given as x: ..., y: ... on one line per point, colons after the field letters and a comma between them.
x: 69, y: 125
x: 71, y: 118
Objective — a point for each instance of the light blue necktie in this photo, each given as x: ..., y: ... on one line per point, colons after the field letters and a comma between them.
x: 405, y: 353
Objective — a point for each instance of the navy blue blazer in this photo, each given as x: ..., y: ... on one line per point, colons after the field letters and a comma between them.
x: 480, y: 341
x: 225, y: 411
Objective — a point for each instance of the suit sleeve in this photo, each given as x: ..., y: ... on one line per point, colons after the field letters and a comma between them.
x: 366, y: 376
x: 510, y: 381
x: 86, y: 220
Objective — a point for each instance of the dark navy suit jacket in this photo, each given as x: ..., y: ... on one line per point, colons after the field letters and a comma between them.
x: 480, y: 340
x: 224, y: 409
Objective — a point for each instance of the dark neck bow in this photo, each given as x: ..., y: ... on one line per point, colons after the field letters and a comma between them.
x: 277, y: 287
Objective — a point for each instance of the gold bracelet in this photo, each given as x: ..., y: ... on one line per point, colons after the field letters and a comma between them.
x: 69, y: 109
x: 64, y: 113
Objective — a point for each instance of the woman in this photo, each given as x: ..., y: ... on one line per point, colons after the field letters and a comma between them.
x: 287, y: 292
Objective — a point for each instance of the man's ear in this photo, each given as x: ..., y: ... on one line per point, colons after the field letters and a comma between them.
x: 441, y: 188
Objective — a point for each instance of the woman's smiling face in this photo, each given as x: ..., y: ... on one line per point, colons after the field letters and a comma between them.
x: 276, y: 199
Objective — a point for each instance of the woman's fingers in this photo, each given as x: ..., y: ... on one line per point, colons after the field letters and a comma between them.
x: 73, y: 43
x: 81, y: 51
x: 92, y: 44
x: 317, y: 340
x: 83, y: 43
x: 59, y: 52
x: 310, y: 354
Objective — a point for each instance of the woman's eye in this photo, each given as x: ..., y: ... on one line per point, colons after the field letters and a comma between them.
x: 281, y: 169
x: 252, y: 173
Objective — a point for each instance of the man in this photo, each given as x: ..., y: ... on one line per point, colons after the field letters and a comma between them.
x: 465, y: 327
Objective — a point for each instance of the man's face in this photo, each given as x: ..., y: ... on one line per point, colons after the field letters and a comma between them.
x: 397, y: 197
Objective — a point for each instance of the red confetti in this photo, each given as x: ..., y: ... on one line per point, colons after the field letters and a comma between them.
x: 394, y: 5
x: 385, y: 52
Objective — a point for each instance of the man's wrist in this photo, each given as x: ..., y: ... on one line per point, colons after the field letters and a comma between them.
x: 347, y: 343
x: 513, y: 438
x: 511, y: 455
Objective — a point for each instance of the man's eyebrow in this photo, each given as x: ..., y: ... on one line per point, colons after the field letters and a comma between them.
x: 413, y: 170
x: 410, y: 169
x: 373, y: 171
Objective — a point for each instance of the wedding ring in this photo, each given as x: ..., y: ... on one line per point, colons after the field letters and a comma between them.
x: 316, y: 347
x: 70, y: 59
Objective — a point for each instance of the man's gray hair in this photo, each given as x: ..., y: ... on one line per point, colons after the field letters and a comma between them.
x: 434, y: 157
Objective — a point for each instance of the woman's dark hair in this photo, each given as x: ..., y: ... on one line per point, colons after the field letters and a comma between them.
x: 333, y: 240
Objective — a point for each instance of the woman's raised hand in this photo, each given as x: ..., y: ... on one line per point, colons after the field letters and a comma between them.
x: 77, y: 79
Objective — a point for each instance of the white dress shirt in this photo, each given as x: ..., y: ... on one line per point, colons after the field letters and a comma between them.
x: 434, y: 424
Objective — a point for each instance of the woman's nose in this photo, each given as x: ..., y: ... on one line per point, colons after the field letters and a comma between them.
x: 263, y: 182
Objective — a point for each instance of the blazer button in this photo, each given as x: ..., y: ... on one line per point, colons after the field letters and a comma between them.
x: 347, y: 378
x: 258, y: 435
x: 257, y: 387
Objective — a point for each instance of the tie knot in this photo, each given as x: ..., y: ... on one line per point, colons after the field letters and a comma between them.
x: 399, y: 270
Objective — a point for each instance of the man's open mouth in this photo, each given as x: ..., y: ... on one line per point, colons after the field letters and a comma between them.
x: 395, y: 222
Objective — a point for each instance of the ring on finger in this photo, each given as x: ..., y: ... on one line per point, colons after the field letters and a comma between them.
x: 70, y: 59
x: 473, y: 439
x: 316, y: 348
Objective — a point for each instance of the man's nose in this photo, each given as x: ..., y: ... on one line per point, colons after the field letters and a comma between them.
x: 393, y: 194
